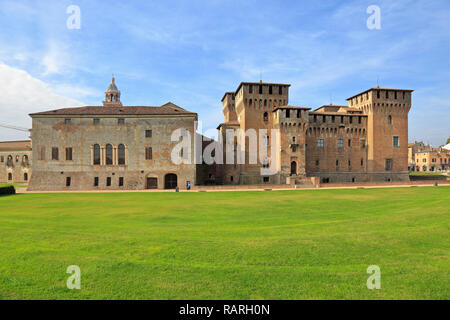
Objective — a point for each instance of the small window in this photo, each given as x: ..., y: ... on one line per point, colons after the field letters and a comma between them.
x: 260, y: 89
x: 320, y: 143
x: 68, y: 154
x: 108, y: 181
x: 362, y: 162
x: 250, y: 89
x: 395, y: 95
x: 288, y: 113
x: 96, y: 122
x: 2, y: 159
x: 148, y: 133
x: 9, y: 176
x: 337, y: 163
x: 95, y: 181
x: 351, y: 119
x: 25, y: 176
x: 266, y: 179
x: 359, y: 120
x: 317, y: 163
x: 363, y: 144
x: 389, y: 120
x: 342, y: 119
x: 396, y: 141
x: 55, y: 155
x: 67, y: 121
x: 387, y: 94
x: 340, y: 143
x: 349, y: 142
x: 315, y: 118
x: 388, y: 165
x: 68, y: 181
x: 270, y: 89
x: 333, y: 119
x: 349, y: 164
x: 231, y: 178
x: 266, y: 117
x: 148, y: 153
x: 120, y: 181
x: 121, y: 121
x: 280, y: 90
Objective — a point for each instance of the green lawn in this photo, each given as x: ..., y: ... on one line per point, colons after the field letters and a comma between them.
x: 425, y: 173
x: 314, y: 244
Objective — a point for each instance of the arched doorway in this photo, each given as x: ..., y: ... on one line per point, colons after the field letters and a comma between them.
x: 293, y: 168
x: 170, y: 181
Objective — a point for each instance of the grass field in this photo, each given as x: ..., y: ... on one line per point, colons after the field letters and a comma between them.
x: 313, y: 244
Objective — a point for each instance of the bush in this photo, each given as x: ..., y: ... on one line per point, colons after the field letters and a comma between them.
x: 7, y: 190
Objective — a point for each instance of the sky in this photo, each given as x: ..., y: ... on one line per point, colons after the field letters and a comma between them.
x: 191, y: 52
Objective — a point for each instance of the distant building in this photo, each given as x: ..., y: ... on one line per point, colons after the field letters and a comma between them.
x: 15, y: 161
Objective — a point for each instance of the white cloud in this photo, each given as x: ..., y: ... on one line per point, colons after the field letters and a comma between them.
x: 22, y: 94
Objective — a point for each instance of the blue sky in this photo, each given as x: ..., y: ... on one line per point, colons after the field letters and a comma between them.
x: 191, y: 52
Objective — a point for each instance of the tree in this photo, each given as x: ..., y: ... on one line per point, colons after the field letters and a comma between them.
x: 448, y: 141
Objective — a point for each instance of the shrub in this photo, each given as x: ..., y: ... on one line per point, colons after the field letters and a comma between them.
x: 7, y: 190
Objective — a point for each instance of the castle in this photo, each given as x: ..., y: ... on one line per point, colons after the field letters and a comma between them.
x: 116, y: 147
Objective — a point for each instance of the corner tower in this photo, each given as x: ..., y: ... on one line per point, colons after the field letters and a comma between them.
x: 387, y: 131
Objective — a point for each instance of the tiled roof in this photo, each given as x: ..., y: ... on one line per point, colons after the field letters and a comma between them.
x: 15, y: 145
x: 290, y: 107
x: 167, y: 109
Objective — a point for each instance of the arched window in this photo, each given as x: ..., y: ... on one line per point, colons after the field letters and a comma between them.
x: 9, y: 176
x: 96, y: 154
x: 109, y: 154
x: 266, y: 117
x: 121, y: 154
x: 389, y: 120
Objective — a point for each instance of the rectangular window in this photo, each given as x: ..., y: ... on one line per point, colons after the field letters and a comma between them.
x: 349, y: 142
x: 266, y: 179
x: 317, y: 163
x: 378, y: 94
x: 333, y: 118
x: 270, y: 89
x: 260, y: 89
x: 387, y: 94
x: 148, y: 133
x: 68, y: 154
x: 396, y: 141
x: 320, y: 143
x: 288, y: 113
x: 250, y: 89
x: 359, y: 120
x: 121, y: 121
x: 349, y: 164
x: 362, y: 162
x: 351, y: 119
x: 120, y: 181
x: 395, y: 95
x: 280, y: 90
x: 42, y: 153
x: 67, y: 121
x: 388, y: 166
x: 342, y: 119
x: 315, y: 118
x: 108, y: 181
x: 340, y: 143
x: 55, y: 153
x: 2, y: 159
x: 68, y: 181
x: 96, y: 182
x: 363, y: 144
x: 148, y: 153
x: 96, y: 121
x: 324, y: 119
